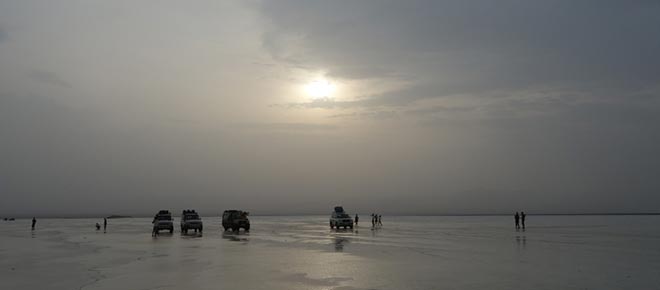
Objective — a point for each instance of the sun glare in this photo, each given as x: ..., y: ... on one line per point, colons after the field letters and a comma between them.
x: 320, y: 89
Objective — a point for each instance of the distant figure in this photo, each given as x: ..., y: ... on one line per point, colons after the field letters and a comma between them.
x: 373, y: 220
x: 380, y: 220
x: 98, y: 227
x: 105, y: 223
x: 154, y: 231
x: 517, y: 219
x: 522, y: 218
x: 356, y: 219
x: 34, y: 222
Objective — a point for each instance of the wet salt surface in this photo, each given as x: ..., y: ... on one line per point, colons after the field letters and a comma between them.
x: 555, y: 252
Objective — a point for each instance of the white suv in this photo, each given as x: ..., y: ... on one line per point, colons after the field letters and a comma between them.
x: 190, y: 220
x: 339, y: 218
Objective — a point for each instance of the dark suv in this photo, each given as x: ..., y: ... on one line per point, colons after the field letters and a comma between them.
x: 235, y: 219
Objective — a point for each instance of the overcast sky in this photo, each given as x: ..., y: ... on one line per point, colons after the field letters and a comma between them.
x: 431, y: 107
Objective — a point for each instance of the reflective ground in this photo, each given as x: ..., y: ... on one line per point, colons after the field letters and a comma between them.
x: 554, y: 252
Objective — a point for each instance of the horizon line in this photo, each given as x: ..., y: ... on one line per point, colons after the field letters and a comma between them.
x: 317, y: 214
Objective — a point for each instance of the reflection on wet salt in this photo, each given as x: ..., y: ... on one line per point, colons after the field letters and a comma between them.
x: 301, y: 253
x: 339, y: 243
x: 521, y: 241
x: 192, y: 235
x: 303, y: 278
x: 236, y: 237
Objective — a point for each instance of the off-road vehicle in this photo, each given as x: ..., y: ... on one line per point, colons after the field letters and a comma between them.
x: 163, y: 221
x: 340, y: 218
x: 190, y: 220
x: 235, y: 219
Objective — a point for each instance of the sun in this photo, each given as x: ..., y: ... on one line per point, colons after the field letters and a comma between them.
x: 320, y: 89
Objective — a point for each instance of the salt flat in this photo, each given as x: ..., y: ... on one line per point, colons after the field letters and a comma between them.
x: 481, y: 252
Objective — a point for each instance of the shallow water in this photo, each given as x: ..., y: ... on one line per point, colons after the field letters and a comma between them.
x: 480, y: 252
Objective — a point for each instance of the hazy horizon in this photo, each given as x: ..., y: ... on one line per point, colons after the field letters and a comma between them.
x: 278, y: 107
x: 207, y: 214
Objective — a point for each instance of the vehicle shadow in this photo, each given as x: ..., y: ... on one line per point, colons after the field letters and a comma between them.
x: 236, y: 237
x: 191, y: 235
x: 160, y: 235
x: 338, y: 230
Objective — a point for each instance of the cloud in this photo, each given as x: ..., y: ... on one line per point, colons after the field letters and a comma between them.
x: 481, y: 106
x: 3, y: 35
x: 456, y: 48
x: 48, y: 78
x: 287, y: 127
x: 366, y: 115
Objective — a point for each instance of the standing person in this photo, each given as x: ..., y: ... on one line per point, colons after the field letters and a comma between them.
x: 105, y: 223
x: 522, y: 218
x: 517, y: 219
x: 34, y: 222
x: 373, y: 220
x: 98, y: 227
x: 154, y: 231
x: 356, y: 219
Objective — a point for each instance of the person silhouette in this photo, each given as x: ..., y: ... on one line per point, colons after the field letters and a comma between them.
x: 380, y: 220
x: 522, y: 218
x: 34, y: 222
x: 105, y: 223
x: 98, y: 227
x: 517, y: 219
x: 357, y: 218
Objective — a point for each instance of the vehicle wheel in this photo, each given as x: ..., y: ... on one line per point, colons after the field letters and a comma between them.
x: 171, y: 230
x: 200, y: 229
x: 247, y: 229
x: 225, y: 228
x: 350, y: 227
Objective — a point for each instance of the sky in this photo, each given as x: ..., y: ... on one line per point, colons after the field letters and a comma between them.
x: 293, y: 107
